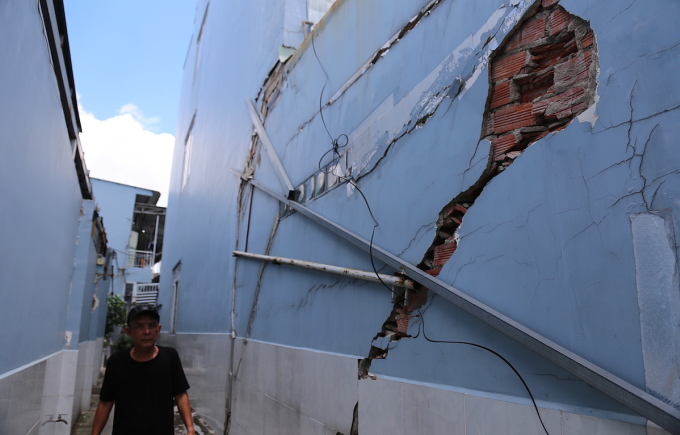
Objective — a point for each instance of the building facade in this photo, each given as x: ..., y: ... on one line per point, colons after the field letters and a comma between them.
x: 135, y: 234
x: 54, y: 277
x: 508, y: 165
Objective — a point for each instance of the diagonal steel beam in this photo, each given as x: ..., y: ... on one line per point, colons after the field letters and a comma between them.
x: 629, y: 395
x: 269, y: 148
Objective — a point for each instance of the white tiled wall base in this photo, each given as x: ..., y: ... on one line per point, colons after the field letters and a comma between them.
x: 21, y: 395
x: 283, y: 390
x: 400, y: 408
x: 32, y: 395
x: 84, y: 376
x: 58, y: 394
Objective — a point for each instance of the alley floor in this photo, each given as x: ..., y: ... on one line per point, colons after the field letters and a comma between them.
x: 84, y: 423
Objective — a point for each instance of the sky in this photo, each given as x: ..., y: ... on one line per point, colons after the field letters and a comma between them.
x: 128, y: 58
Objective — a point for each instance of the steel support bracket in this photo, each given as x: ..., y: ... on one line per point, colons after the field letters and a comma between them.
x: 629, y: 395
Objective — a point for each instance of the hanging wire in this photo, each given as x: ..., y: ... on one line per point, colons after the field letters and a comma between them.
x: 335, y: 150
x: 531, y: 396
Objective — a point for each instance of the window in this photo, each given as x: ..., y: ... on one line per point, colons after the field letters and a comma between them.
x: 199, y: 37
x: 188, y: 145
x: 175, y: 297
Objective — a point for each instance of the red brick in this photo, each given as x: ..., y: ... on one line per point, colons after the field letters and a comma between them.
x: 502, y: 145
x: 508, y: 66
x: 548, y: 3
x: 576, y: 68
x: 434, y: 272
x: 530, y: 31
x: 545, y: 56
x: 500, y: 96
x: 536, y: 87
x: 539, y: 107
x: 460, y: 208
x: 488, y: 124
x: 416, y: 299
x: 573, y: 96
x: 572, y: 111
x: 513, y: 117
x: 442, y: 253
x: 588, y: 39
x: 558, y: 21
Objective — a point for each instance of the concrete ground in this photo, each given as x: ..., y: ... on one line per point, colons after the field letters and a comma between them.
x: 84, y: 423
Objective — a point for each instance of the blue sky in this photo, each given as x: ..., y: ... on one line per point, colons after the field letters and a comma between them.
x: 130, y: 52
x: 128, y: 58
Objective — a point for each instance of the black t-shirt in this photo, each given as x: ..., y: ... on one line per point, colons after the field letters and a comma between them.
x: 143, y: 392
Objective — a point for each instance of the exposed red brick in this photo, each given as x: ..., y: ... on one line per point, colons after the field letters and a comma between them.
x: 508, y: 66
x: 502, y: 145
x: 460, y: 208
x: 572, y: 96
x: 513, y: 117
x: 558, y: 21
x: 434, y: 272
x: 539, y: 107
x: 530, y: 31
x: 571, y: 110
x: 417, y: 299
x: 548, y: 3
x: 488, y: 124
x: 545, y: 56
x: 536, y: 87
x: 576, y: 68
x: 402, y: 321
x: 500, y: 95
x: 442, y: 253
x: 588, y: 39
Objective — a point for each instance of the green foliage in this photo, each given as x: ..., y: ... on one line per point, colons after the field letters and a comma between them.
x: 123, y: 342
x: 115, y: 314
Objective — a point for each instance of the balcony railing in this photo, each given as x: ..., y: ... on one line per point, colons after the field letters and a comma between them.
x: 140, y: 258
x: 145, y: 294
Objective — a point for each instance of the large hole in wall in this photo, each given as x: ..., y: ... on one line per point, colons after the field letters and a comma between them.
x: 540, y: 79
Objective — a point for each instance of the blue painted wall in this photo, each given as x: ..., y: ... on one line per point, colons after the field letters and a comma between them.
x: 548, y: 243
x: 40, y: 197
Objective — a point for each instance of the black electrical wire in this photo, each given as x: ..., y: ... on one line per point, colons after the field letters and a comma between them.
x: 531, y: 396
x: 336, y: 155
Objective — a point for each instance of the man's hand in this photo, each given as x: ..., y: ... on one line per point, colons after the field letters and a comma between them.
x: 101, y: 416
x: 184, y: 408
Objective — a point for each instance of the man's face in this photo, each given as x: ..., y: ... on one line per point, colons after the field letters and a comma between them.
x: 143, y: 331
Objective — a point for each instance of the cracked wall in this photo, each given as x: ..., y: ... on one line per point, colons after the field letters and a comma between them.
x: 542, y: 77
x: 547, y: 242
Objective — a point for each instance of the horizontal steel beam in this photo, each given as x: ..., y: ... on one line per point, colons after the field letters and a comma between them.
x: 396, y: 281
x: 629, y: 395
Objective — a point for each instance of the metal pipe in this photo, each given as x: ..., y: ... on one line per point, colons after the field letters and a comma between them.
x: 269, y: 148
x: 629, y: 395
x: 155, y: 240
x: 396, y: 281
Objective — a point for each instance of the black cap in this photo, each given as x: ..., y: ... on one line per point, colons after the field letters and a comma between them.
x: 145, y: 308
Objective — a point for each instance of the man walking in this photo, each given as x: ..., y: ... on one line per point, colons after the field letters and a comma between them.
x: 142, y: 382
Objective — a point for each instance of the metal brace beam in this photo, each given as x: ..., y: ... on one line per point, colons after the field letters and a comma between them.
x: 269, y: 148
x: 629, y: 395
x: 396, y: 281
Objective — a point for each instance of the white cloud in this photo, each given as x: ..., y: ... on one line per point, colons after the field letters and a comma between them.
x: 123, y: 149
x: 136, y: 112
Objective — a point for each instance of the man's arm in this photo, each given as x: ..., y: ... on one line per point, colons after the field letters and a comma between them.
x: 101, y: 416
x: 184, y: 408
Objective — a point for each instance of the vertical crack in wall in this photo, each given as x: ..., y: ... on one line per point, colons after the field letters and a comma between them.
x: 540, y: 79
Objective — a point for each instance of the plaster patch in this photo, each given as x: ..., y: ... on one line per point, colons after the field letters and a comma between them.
x: 656, y: 274
x: 68, y: 335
